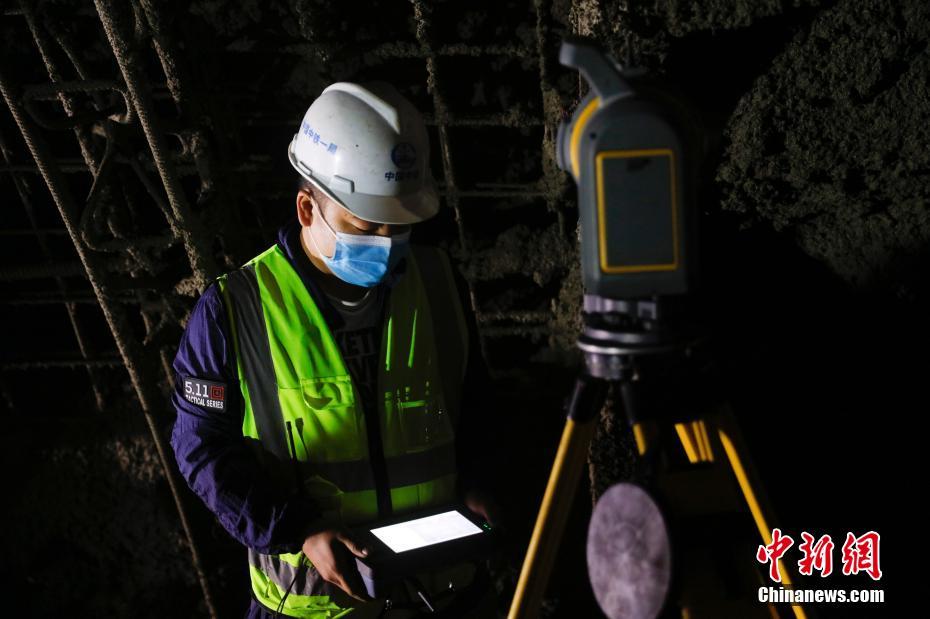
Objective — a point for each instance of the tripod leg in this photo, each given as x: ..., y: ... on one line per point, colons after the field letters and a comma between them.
x: 716, y: 441
x: 762, y: 514
x: 572, y: 455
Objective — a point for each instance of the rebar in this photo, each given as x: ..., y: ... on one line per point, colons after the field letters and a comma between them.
x: 421, y: 13
x: 130, y: 351
x: 183, y: 223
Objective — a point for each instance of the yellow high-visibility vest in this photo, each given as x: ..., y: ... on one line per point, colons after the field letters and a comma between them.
x: 302, y: 405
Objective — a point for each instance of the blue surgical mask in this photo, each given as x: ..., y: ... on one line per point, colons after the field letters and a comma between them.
x: 363, y: 259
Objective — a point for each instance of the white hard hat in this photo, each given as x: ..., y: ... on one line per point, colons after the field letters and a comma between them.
x: 366, y: 147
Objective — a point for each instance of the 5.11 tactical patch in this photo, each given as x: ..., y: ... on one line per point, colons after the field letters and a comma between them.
x: 205, y: 393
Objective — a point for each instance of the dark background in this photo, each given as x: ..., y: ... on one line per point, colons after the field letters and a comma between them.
x: 815, y: 246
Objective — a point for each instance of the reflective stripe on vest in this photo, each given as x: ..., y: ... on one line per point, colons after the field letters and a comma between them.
x: 300, y: 400
x: 308, y: 594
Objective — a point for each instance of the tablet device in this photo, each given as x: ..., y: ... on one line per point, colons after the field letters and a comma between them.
x: 417, y: 541
x: 426, y: 530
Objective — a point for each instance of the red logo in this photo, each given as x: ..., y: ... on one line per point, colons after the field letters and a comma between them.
x: 817, y: 555
x: 771, y: 553
x: 860, y: 554
x: 216, y: 392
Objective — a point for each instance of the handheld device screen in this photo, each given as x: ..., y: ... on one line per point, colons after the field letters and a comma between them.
x: 426, y: 531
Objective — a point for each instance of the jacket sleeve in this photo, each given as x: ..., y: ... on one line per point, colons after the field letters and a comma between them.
x: 475, y: 445
x: 211, y: 452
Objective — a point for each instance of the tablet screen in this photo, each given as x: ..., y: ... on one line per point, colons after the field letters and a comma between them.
x: 426, y: 531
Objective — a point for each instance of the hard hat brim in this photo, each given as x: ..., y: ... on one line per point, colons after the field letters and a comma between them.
x: 404, y: 209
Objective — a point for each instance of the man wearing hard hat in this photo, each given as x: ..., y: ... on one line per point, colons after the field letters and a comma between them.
x: 334, y: 378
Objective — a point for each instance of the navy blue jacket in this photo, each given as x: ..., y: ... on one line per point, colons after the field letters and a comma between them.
x: 213, y: 456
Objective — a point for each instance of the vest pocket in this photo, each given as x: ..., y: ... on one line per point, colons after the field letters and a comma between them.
x: 332, y: 430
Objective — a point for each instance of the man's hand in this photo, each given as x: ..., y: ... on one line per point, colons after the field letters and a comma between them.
x: 331, y: 552
x: 482, y: 504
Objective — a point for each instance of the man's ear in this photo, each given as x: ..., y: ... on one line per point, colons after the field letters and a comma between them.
x: 304, y: 208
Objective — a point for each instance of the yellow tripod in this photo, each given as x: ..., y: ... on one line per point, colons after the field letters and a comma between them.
x: 681, y: 542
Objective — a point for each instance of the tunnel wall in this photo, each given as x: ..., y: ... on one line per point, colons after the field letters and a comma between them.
x: 814, y: 209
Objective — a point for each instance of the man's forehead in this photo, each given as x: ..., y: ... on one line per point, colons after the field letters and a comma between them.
x: 335, y: 207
